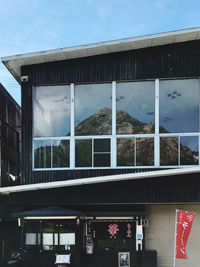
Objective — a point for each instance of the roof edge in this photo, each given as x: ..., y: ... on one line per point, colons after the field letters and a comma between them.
x: 97, y: 180
x: 99, y: 44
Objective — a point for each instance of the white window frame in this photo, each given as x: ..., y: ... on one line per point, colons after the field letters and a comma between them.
x: 113, y: 137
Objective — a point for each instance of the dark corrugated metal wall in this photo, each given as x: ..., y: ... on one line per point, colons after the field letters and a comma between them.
x: 176, y: 189
x: 168, y: 61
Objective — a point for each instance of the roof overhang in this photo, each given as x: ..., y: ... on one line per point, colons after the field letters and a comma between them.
x: 14, y: 63
x: 99, y: 180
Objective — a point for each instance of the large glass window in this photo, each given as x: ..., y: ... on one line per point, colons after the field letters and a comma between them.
x: 116, y: 125
x: 135, y: 107
x: 179, y: 106
x: 93, y: 109
x: 51, y: 111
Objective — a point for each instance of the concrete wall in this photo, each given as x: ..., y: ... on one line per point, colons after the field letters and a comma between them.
x: 160, y: 234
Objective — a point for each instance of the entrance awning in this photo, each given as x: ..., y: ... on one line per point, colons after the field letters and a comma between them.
x: 49, y: 212
x: 113, y: 214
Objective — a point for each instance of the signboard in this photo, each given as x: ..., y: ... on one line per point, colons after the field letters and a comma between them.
x: 184, y: 225
x: 123, y: 259
x: 63, y: 259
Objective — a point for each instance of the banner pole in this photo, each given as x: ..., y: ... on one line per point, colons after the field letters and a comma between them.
x: 175, y: 232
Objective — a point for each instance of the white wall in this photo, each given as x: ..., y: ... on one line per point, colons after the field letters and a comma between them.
x: 160, y: 234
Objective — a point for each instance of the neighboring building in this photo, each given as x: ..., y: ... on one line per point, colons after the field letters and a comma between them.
x: 108, y: 130
x: 10, y: 130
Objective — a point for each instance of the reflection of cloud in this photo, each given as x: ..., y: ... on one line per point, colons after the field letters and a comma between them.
x: 179, y: 105
x: 89, y: 102
x: 52, y: 110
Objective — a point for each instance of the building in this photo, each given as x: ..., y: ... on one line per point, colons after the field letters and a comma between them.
x: 10, y: 128
x: 110, y: 149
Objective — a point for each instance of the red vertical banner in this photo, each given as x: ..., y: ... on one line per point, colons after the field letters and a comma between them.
x: 184, y: 225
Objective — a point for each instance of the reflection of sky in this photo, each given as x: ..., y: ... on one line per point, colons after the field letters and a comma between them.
x: 190, y: 142
x: 179, y: 105
x: 90, y: 98
x: 52, y: 110
x: 137, y: 99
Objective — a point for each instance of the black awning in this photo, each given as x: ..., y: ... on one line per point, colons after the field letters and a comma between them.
x: 48, y: 212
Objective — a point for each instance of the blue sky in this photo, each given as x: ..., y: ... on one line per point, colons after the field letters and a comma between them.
x: 34, y: 25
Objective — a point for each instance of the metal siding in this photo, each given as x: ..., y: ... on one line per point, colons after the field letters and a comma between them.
x: 176, y: 189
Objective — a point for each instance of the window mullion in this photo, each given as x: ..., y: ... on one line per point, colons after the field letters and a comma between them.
x: 113, y: 139
x: 72, y: 139
x: 157, y: 139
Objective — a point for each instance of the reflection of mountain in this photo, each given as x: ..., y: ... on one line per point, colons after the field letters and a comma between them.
x: 97, y: 124
x: 101, y: 124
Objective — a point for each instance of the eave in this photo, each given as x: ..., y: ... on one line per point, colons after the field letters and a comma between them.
x: 14, y: 63
x: 100, y: 180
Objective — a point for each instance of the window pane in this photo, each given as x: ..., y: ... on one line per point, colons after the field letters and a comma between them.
x: 83, y: 153
x: 125, y: 151
x: 60, y: 153
x: 47, y: 236
x: 179, y: 106
x: 102, y: 145
x: 31, y: 239
x: 102, y: 160
x: 67, y: 238
x: 93, y: 109
x: 168, y: 151
x: 67, y: 235
x: 144, y: 151
x: 189, y: 147
x: 32, y: 235
x: 135, y: 107
x: 42, y: 154
x: 51, y: 111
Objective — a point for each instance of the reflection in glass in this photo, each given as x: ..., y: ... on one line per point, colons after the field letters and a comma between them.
x: 51, y: 111
x: 144, y: 151
x: 189, y: 147
x: 60, y: 153
x: 135, y: 107
x: 42, y: 154
x: 93, y: 114
x: 84, y: 153
x: 102, y: 160
x: 101, y: 152
x: 168, y: 151
x: 125, y: 151
x: 179, y: 106
x: 101, y: 145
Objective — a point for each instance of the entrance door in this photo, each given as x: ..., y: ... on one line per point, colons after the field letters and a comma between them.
x: 111, y: 238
